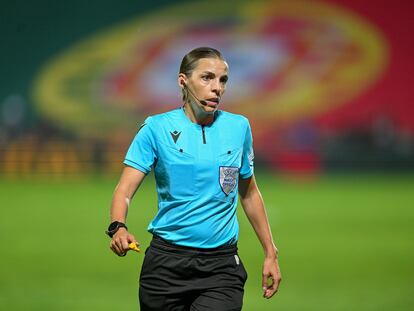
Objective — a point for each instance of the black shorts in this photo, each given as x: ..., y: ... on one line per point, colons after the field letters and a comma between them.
x: 183, y: 278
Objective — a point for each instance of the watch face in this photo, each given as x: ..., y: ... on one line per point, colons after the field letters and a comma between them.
x: 113, y: 226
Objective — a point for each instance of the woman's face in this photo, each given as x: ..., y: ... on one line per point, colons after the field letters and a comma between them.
x: 207, y: 82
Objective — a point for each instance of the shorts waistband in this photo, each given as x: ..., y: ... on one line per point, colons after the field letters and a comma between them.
x: 163, y: 245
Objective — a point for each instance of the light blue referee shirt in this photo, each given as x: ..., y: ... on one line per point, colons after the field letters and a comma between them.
x: 196, y: 169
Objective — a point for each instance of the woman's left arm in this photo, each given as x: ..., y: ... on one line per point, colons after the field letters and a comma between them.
x: 253, y: 206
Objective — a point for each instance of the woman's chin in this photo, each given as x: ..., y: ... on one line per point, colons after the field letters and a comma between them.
x: 210, y: 109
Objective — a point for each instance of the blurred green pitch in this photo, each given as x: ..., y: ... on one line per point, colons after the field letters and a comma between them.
x: 346, y: 243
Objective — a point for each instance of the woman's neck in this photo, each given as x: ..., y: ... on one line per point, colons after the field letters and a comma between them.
x: 198, y: 115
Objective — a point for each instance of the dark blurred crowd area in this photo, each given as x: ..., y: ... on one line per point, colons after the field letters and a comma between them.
x: 38, y: 148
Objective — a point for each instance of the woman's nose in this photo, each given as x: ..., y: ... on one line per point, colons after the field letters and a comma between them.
x: 216, y: 86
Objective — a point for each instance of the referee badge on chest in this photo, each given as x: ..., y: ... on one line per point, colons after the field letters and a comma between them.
x: 228, y: 178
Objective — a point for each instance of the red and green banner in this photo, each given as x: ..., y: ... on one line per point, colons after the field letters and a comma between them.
x: 302, y: 72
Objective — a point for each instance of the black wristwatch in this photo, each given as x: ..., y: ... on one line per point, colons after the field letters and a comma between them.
x: 114, y: 227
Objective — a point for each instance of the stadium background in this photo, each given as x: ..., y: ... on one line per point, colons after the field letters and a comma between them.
x: 327, y: 86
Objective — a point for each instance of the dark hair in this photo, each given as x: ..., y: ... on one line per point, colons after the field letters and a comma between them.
x: 190, y: 60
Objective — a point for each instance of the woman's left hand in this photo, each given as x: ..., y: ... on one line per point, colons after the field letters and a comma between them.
x: 271, y: 277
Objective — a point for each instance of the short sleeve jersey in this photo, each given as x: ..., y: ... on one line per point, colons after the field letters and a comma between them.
x: 197, y: 169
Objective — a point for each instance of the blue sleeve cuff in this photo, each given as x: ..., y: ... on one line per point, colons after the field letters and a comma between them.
x: 137, y: 166
x: 246, y: 175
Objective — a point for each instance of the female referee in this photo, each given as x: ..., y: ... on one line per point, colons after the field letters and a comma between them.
x: 202, y: 158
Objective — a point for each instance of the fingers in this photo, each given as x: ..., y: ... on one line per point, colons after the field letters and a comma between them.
x: 120, y: 243
x: 267, y: 284
x: 116, y: 247
x: 271, y: 277
x: 270, y: 284
x: 264, y: 283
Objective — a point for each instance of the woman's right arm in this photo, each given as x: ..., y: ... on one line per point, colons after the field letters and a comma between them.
x: 129, y: 182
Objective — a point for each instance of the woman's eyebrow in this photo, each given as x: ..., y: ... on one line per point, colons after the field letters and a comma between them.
x: 208, y: 73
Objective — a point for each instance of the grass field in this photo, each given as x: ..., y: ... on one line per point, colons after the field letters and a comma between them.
x: 346, y: 243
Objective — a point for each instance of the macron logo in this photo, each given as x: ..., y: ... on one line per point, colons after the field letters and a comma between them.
x: 175, y: 136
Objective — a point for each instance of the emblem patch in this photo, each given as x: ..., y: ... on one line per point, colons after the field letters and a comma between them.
x: 228, y: 178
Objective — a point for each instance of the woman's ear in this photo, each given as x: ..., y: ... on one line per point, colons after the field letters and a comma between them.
x: 182, y: 80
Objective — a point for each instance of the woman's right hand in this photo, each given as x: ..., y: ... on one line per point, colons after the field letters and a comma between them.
x: 120, y: 242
